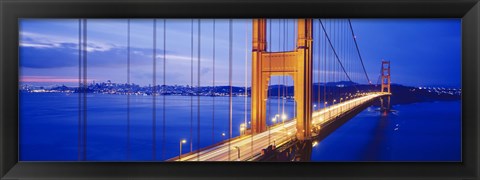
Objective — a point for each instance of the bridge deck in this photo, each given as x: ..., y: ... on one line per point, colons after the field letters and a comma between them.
x: 278, y: 134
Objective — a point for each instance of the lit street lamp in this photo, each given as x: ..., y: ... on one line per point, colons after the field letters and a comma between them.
x: 324, y: 107
x: 341, y: 110
x: 223, y: 136
x: 242, y: 129
x: 183, y: 141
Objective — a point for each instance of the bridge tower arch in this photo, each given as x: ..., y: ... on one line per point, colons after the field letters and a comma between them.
x: 296, y: 63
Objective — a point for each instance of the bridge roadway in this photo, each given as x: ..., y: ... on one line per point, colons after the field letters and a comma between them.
x: 278, y: 134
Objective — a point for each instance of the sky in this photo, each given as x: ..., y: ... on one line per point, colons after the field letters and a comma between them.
x: 422, y: 52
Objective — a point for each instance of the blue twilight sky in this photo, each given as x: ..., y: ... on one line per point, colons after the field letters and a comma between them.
x: 423, y: 52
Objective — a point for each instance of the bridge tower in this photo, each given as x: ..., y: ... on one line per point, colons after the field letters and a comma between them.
x: 385, y: 86
x: 385, y: 76
x: 296, y: 63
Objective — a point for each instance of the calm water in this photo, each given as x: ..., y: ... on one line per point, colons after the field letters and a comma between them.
x: 49, y: 129
x: 429, y: 131
x: 49, y: 125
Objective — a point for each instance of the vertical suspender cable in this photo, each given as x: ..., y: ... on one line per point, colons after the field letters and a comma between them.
x: 283, y: 78
x: 246, y: 77
x: 294, y: 37
x: 191, y: 86
x: 319, y: 62
x: 324, y: 67
x: 85, y: 87
x: 284, y: 86
x: 283, y: 83
x: 164, y: 84
x: 278, y: 85
x: 251, y: 129
x: 79, y: 87
x: 154, y: 113
x: 230, y: 56
x: 337, y: 47
x: 198, y: 89
x: 214, y: 91
x: 330, y: 64
x: 269, y: 43
x: 342, y: 49
x: 128, y: 89
x: 340, y: 43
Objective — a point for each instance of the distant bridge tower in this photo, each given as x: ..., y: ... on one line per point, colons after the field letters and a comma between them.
x: 385, y: 86
x: 296, y: 63
x: 385, y: 76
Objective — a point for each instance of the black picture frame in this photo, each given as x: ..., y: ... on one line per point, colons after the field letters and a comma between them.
x: 12, y: 10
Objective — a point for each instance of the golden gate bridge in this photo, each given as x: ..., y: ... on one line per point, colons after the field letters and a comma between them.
x: 326, y: 51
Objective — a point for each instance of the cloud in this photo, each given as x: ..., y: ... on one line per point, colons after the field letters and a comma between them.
x: 49, y: 79
x: 35, y: 40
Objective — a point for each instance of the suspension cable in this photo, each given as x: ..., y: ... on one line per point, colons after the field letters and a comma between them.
x: 358, y: 51
x: 129, y: 89
x: 335, y: 53
x: 324, y: 67
x: 198, y: 87
x: 164, y: 85
x: 230, y: 58
x: 154, y: 102
x: 79, y: 144
x: 213, y: 88
x: 191, y: 87
x: 246, y: 77
x: 269, y: 82
x: 283, y: 75
x: 278, y: 79
x: 85, y: 88
x: 318, y: 65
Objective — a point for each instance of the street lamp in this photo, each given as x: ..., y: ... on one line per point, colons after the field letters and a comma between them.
x: 238, y: 153
x: 324, y: 107
x: 183, y: 141
x: 223, y: 136
x: 341, y: 110
x: 315, y: 143
x: 242, y: 129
